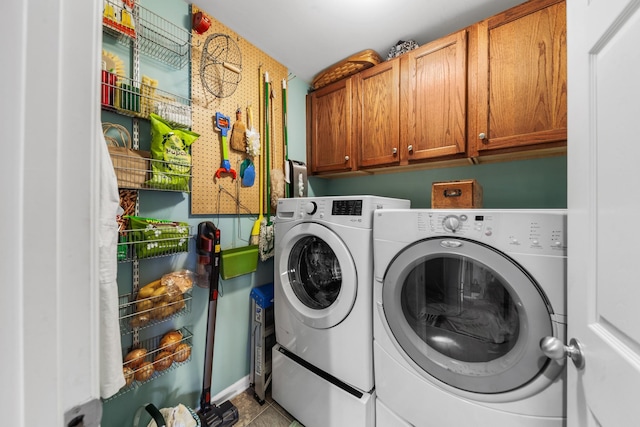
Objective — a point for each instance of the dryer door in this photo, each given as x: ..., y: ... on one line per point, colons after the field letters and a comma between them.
x: 317, y: 274
x: 466, y: 314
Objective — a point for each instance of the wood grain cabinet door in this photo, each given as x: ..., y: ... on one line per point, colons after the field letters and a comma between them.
x: 521, y: 97
x: 433, y: 100
x: 329, y: 128
x: 377, y: 109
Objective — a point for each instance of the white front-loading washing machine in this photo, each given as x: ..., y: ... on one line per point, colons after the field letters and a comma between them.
x: 462, y: 299
x: 323, y: 303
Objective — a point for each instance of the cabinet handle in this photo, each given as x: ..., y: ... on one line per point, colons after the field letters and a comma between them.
x: 410, y: 148
x: 346, y: 158
x: 482, y: 136
x: 395, y: 151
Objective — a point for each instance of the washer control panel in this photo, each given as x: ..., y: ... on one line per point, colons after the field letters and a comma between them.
x: 355, y: 211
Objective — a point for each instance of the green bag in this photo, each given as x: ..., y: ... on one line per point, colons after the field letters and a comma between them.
x: 170, y: 155
x: 158, y: 237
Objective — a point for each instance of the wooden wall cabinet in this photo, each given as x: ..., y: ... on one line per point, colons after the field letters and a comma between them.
x: 329, y: 129
x: 410, y: 109
x: 518, y: 94
x: 377, y: 113
x: 494, y: 89
x: 433, y: 107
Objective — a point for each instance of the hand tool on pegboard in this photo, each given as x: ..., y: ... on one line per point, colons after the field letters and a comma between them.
x: 238, y: 133
x: 222, y: 125
x: 257, y: 226
x: 267, y: 240
x: 276, y: 175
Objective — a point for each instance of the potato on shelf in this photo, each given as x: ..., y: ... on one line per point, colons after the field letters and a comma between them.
x: 148, y: 290
x: 182, y: 352
x: 135, y: 358
x: 128, y: 375
x: 163, y: 360
x: 144, y: 371
x: 140, y: 320
x: 161, y: 298
x: 170, y: 341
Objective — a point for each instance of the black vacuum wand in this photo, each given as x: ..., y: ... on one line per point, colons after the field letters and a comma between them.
x: 208, y: 246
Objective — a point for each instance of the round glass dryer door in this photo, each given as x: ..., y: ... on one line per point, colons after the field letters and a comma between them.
x: 318, y: 275
x: 467, y: 315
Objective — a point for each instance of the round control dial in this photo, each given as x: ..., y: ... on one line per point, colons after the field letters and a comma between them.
x: 310, y: 208
x: 451, y: 223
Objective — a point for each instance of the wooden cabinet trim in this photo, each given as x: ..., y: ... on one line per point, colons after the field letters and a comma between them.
x: 519, y: 11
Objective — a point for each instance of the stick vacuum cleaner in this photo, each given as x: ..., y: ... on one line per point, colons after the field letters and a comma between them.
x: 208, y: 247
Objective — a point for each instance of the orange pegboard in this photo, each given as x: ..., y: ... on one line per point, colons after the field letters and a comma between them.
x: 207, y: 150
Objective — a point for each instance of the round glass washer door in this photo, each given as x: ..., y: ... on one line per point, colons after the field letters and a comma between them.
x: 317, y: 275
x: 467, y: 315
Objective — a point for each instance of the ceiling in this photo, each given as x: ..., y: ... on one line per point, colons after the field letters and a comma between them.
x: 308, y: 36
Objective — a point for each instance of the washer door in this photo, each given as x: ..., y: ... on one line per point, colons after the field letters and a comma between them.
x: 466, y: 314
x: 317, y: 275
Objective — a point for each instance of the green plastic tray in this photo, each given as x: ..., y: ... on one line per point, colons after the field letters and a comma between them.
x: 239, y: 261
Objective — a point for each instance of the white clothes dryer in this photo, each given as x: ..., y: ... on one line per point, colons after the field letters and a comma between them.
x: 323, y: 305
x: 463, y: 299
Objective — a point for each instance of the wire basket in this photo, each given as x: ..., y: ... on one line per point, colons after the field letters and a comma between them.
x: 348, y: 67
x: 157, y: 361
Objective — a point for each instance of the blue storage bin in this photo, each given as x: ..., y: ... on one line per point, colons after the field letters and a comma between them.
x: 263, y: 295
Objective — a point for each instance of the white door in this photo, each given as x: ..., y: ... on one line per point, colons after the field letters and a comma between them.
x: 604, y: 202
x: 48, y: 258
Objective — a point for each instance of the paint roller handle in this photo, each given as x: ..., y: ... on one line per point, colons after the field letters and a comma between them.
x: 231, y: 67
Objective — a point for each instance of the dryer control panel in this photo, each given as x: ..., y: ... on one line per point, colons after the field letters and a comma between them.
x: 519, y: 230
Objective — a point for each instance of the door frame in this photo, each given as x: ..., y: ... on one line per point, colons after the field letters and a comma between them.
x: 50, y: 304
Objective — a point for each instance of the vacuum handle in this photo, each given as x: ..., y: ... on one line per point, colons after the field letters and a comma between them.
x: 206, y: 236
x: 151, y: 410
x: 208, y: 229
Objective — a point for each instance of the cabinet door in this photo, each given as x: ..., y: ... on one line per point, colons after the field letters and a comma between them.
x: 330, y: 128
x: 433, y: 99
x: 377, y: 110
x: 522, y: 78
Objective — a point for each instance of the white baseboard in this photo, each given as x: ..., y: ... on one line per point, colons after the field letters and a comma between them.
x: 232, y: 391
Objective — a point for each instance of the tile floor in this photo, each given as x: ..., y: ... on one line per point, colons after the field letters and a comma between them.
x: 252, y: 414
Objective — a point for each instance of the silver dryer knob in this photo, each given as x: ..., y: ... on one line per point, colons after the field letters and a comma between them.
x: 451, y: 223
x: 310, y: 208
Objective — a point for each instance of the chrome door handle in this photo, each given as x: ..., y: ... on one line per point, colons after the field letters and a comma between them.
x: 553, y: 348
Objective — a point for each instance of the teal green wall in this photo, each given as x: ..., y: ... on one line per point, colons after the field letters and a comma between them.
x: 297, y: 131
x: 531, y: 184
x: 539, y: 183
